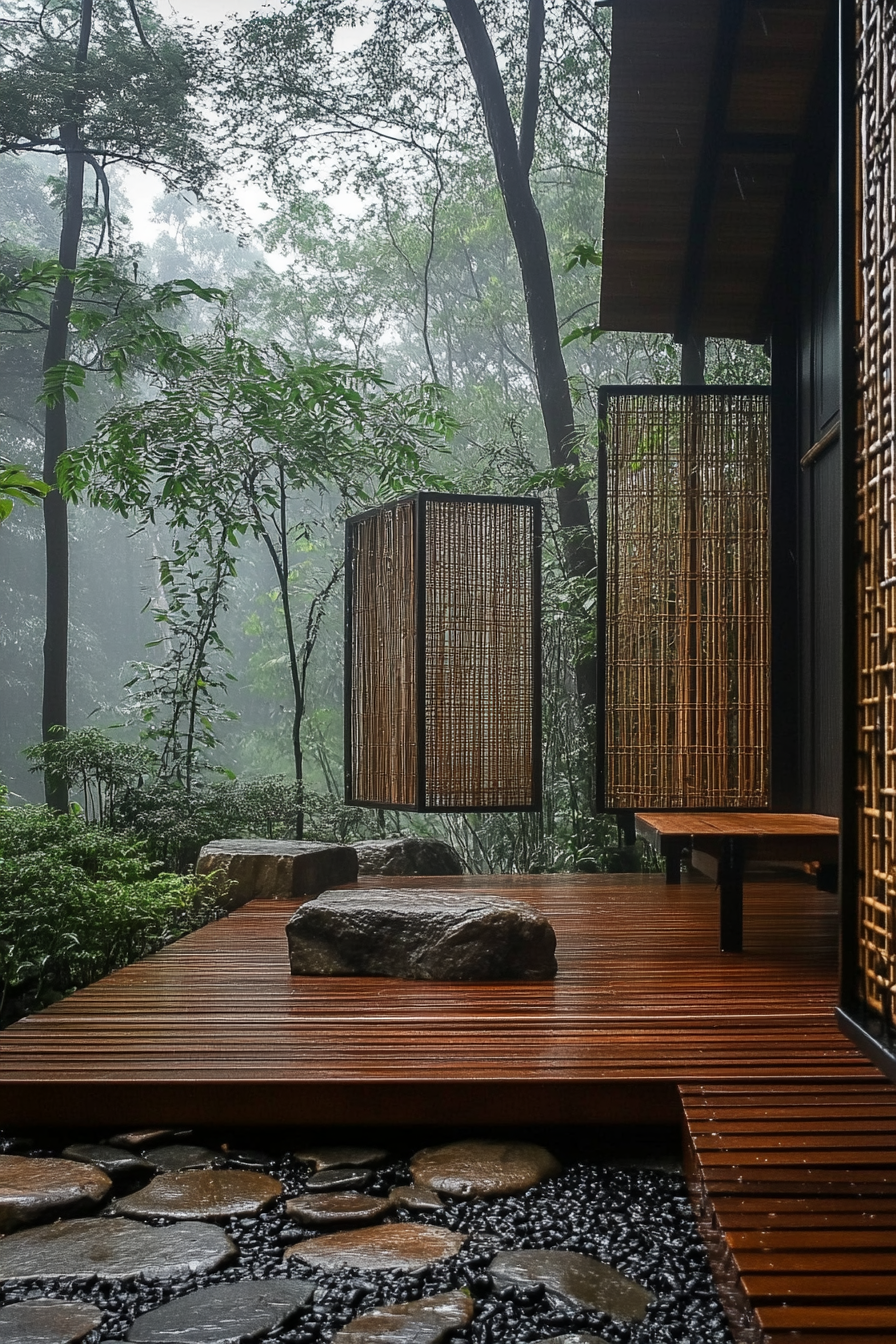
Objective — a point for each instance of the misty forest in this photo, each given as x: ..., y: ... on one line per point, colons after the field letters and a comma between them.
x: 258, y: 273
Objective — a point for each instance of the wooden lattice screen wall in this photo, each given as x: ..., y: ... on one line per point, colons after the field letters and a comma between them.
x: 877, y: 508
x: 684, y: 642
x: 443, y: 655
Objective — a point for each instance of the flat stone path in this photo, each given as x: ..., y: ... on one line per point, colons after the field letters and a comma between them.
x: 47, y: 1321
x: 405, y: 1246
x: 226, y: 1313
x: 32, y: 1188
x: 113, y: 1248
x: 477, y: 1167
x: 580, y: 1280
x: 429, y: 1320
x: 209, y: 1195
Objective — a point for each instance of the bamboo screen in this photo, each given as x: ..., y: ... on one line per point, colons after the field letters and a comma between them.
x: 443, y: 666
x: 877, y: 509
x: 685, y: 547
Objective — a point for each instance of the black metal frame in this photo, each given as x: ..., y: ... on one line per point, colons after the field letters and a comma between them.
x: 420, y: 499
x: 625, y: 816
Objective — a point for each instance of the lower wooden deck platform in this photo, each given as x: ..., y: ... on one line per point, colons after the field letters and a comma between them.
x: 795, y: 1195
x: 214, y: 1028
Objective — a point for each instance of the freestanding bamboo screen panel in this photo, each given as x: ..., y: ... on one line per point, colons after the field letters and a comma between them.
x: 684, y: 644
x: 443, y: 655
x: 877, y: 509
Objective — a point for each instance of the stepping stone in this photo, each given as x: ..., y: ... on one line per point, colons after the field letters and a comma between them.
x: 475, y: 1167
x: 209, y: 1195
x: 32, y: 1188
x: 278, y: 870
x: 342, y: 1207
x: 573, y: 1339
x: 405, y: 1246
x: 226, y: 1313
x: 183, y: 1157
x: 146, y: 1138
x: 248, y: 1157
x: 419, y: 1197
x: 344, y: 1155
x: 417, y: 934
x: 578, y: 1280
x: 113, y: 1161
x: 339, y: 1178
x: 430, y: 1320
x: 45, y: 1320
x: 408, y: 856
x: 113, y: 1248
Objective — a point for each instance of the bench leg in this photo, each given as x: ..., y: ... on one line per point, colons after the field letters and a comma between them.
x: 672, y: 851
x: 731, y: 896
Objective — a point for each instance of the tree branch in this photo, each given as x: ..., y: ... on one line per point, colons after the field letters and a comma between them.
x: 532, y: 87
x: 139, y: 26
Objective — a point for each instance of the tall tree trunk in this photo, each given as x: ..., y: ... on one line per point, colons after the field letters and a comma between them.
x: 54, y: 714
x: 513, y: 161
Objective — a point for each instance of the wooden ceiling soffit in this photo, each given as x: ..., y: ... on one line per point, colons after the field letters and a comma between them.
x: 708, y: 105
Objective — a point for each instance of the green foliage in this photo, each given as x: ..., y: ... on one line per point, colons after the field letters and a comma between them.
x: 96, y: 765
x: 76, y: 902
x: 17, y: 484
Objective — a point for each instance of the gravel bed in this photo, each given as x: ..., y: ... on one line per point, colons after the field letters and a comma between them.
x: 634, y: 1217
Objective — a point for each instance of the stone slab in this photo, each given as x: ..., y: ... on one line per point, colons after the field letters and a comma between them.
x: 113, y: 1248
x: 343, y: 1206
x: 404, y: 1246
x: 146, y: 1138
x: 32, y: 1188
x: 113, y: 1161
x: 408, y: 856
x: 226, y: 1313
x: 481, y: 1167
x: 47, y: 1320
x: 416, y: 934
x: 429, y: 1320
x: 183, y: 1157
x: 341, y: 1155
x: 419, y: 1197
x: 278, y: 870
x: 579, y: 1280
x: 339, y: 1178
x: 208, y: 1195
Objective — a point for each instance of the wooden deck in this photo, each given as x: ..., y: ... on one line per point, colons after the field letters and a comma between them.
x: 795, y: 1194
x: 214, y: 1028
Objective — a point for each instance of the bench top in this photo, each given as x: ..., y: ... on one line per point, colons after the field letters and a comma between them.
x: 735, y: 825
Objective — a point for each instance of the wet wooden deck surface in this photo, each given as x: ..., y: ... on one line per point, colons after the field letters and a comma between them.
x: 214, y: 1028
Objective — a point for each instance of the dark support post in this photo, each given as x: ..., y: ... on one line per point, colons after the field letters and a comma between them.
x: 672, y: 852
x: 625, y: 820
x: 693, y: 361
x: 731, y: 896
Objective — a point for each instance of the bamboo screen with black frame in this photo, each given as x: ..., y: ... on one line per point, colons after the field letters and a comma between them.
x: 443, y: 655
x: 876, y: 513
x: 683, y: 644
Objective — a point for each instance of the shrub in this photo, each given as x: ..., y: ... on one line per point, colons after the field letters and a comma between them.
x: 77, y: 901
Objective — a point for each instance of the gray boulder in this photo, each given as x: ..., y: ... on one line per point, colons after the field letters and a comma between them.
x: 416, y: 934
x: 278, y: 870
x: 408, y: 856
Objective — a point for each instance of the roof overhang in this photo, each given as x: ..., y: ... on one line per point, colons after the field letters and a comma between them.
x: 710, y: 104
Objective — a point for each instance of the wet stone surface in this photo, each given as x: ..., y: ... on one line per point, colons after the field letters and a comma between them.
x: 480, y: 1167
x: 183, y: 1157
x: 636, y: 1220
x: 145, y: 1138
x: 341, y: 1155
x: 112, y: 1248
x: 33, y: 1188
x: 45, y: 1321
x: 224, y: 1314
x: 113, y: 1161
x: 577, y: 1280
x: 339, y: 1178
x: 427, y: 1321
x: 341, y: 1207
x: 419, y: 1197
x: 209, y: 1195
x: 395, y: 1246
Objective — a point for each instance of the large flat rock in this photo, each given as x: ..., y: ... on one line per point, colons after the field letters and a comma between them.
x: 408, y: 856
x: 416, y: 934
x: 278, y: 870
x: 32, y: 1188
x: 46, y: 1320
x: 113, y: 1248
x: 113, y: 1161
x: 226, y: 1313
x: 209, y: 1195
x: 475, y: 1167
x: 344, y: 1206
x: 429, y: 1320
x: 405, y: 1246
x: 579, y: 1280
x: 327, y: 1155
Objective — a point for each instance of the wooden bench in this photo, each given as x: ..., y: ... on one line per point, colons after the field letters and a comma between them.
x: 722, y: 842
